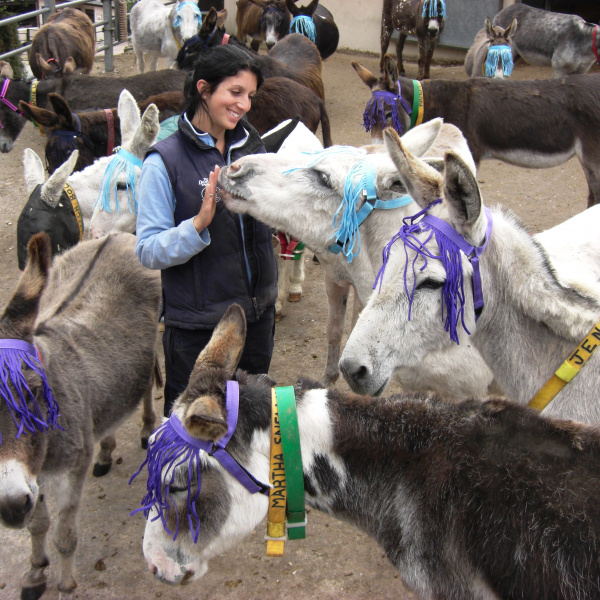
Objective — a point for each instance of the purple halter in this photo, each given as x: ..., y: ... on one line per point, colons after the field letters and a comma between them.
x: 375, y: 109
x: 24, y: 409
x: 173, y: 446
x: 7, y: 102
x: 450, y: 244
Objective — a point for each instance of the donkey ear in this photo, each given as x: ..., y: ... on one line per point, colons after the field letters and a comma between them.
x: 21, y: 312
x: 390, y: 73
x: 69, y: 66
x: 310, y: 9
x: 43, y: 116
x: 63, y: 110
x: 6, y: 69
x: 461, y: 193
x: 146, y: 133
x: 227, y: 342
x: 221, y: 18
x: 209, y: 21
x: 291, y: 6
x: 511, y: 29
x: 205, y: 419
x: 33, y: 168
x: 489, y: 29
x: 43, y: 64
x: 129, y: 116
x: 423, y: 182
x: 419, y: 139
x: 367, y: 77
x: 52, y: 189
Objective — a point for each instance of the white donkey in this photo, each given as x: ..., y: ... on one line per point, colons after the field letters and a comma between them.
x: 160, y: 30
x: 273, y: 188
x: 476, y: 500
x: 137, y: 134
x: 532, y: 318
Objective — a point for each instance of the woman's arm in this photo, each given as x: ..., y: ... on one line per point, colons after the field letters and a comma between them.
x: 161, y: 244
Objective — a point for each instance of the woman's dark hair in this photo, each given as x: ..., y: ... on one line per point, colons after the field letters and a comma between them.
x: 218, y: 63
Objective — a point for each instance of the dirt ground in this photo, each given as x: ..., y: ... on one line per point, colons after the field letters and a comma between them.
x: 335, y: 561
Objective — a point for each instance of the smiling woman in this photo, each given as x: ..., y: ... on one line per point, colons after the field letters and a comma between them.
x: 209, y: 257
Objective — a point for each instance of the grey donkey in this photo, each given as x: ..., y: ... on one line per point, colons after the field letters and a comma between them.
x: 85, y: 328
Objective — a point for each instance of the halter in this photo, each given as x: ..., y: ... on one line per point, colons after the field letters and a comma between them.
x: 171, y: 445
x: 379, y: 101
x: 8, y: 102
x: 495, y: 54
x: 123, y: 162
x: 450, y: 244
x: 67, y: 142
x: 348, y: 235
x: 292, y: 250
x: 58, y: 68
x: 594, y: 45
x: 304, y: 25
x: 24, y: 410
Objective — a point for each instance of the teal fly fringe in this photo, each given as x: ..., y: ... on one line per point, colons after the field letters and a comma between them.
x: 195, y: 10
x: 348, y: 228
x: 304, y: 25
x: 122, y: 162
x: 430, y: 9
x: 495, y: 54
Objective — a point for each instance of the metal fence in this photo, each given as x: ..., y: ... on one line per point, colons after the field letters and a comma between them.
x: 107, y: 24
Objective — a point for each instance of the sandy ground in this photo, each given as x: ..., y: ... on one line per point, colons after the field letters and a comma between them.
x: 335, y: 561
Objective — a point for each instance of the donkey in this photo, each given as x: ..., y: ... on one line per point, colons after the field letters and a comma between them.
x: 68, y: 37
x: 159, y: 30
x: 273, y: 189
x: 565, y: 42
x: 82, y: 92
x: 528, y: 322
x: 110, y: 181
x: 533, y: 124
x: 424, y: 19
x: 428, y: 480
x: 93, y: 133
x: 79, y: 338
x: 317, y: 23
x: 265, y: 21
x: 491, y: 54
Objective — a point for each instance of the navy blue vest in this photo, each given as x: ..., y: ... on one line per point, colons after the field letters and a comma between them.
x: 198, y: 292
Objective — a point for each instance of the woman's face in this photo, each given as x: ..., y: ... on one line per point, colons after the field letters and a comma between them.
x: 230, y: 100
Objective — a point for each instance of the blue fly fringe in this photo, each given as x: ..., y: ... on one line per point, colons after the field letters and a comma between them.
x: 430, y: 9
x: 495, y: 54
x: 304, y: 25
x: 167, y: 450
x: 195, y: 9
x: 376, y: 109
x: 24, y: 409
x: 453, y: 294
x: 122, y: 162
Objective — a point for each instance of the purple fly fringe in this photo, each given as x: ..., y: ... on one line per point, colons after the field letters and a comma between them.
x: 376, y: 108
x: 453, y: 290
x: 24, y: 409
x: 167, y: 451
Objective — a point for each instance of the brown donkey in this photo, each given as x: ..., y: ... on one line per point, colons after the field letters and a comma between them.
x: 77, y: 353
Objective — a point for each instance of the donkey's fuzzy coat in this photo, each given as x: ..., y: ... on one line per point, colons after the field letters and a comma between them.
x: 478, y: 500
x: 93, y: 317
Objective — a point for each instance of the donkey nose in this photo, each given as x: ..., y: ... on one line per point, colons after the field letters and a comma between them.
x: 15, y: 512
x: 233, y: 168
x: 355, y: 373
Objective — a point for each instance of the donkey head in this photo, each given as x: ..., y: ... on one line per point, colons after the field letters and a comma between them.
x: 499, y: 59
x: 219, y: 503
x: 186, y: 18
x: 11, y: 120
x: 25, y: 408
x: 274, y: 21
x: 211, y: 33
x: 406, y: 300
x: 123, y: 170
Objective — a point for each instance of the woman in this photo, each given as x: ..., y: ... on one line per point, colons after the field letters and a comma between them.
x: 209, y: 257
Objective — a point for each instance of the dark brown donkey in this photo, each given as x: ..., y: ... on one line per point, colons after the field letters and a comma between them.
x: 85, y: 331
x: 265, y: 21
x: 422, y: 18
x: 532, y: 124
x: 82, y: 92
x: 68, y: 39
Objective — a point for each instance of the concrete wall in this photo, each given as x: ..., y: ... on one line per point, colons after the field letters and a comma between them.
x: 359, y: 22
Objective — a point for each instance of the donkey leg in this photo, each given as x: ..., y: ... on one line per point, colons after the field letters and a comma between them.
x: 34, y: 584
x: 148, y: 414
x: 337, y: 300
x: 387, y: 28
x: 428, y: 56
x: 139, y: 58
x: 297, y: 275
x: 591, y: 169
x: 68, y: 500
x: 283, y: 267
x: 399, y: 50
x: 104, y: 458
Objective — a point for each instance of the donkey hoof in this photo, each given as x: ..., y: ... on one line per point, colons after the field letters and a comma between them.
x: 33, y: 592
x: 145, y: 443
x: 278, y: 317
x: 294, y: 297
x: 101, y: 469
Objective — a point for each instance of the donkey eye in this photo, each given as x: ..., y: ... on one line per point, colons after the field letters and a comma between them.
x: 121, y: 185
x: 430, y: 284
x: 324, y: 179
x: 176, y: 489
